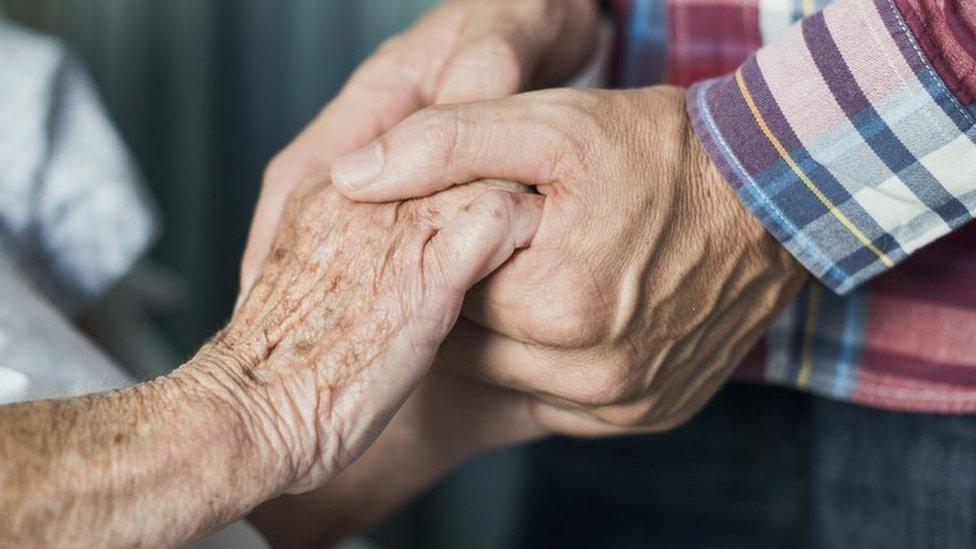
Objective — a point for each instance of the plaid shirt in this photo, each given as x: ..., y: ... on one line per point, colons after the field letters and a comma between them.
x: 852, y: 136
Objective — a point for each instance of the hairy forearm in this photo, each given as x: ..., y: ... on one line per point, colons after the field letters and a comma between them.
x: 154, y: 464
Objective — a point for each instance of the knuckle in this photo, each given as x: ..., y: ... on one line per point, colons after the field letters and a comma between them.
x: 496, y: 205
x: 391, y: 47
x: 572, y: 99
x: 574, y: 123
x: 567, y: 160
x: 502, y: 60
x: 275, y: 173
x: 439, y: 129
x: 637, y: 415
x: 572, y: 322
x: 602, y: 389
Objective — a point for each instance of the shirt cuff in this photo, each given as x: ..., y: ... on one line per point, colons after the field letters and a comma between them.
x: 844, y: 141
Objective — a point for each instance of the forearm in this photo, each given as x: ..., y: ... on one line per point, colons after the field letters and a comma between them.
x: 154, y: 464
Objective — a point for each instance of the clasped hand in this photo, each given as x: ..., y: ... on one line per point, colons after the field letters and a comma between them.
x: 647, y: 282
x: 350, y: 308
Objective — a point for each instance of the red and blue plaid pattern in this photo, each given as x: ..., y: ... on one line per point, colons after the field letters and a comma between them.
x: 851, y: 135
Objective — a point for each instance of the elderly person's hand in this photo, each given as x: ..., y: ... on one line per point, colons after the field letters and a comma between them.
x: 340, y: 327
x: 647, y: 282
x: 353, y: 303
x: 464, y: 50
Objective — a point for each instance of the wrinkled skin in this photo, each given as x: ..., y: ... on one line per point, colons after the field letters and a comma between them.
x: 350, y: 309
x: 647, y: 282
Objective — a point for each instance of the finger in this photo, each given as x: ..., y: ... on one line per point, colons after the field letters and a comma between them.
x: 480, y: 238
x: 574, y: 422
x: 473, y: 351
x: 493, y: 58
x: 397, y: 81
x: 558, y: 376
x: 311, y: 153
x: 517, y: 46
x: 490, y: 415
x: 488, y: 68
x: 516, y: 138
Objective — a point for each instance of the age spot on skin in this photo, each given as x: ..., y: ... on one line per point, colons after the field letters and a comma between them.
x: 304, y: 347
x: 334, y: 283
x: 279, y: 254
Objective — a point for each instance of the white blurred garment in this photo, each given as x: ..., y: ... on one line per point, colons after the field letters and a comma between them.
x: 73, y: 218
x: 71, y: 207
x: 41, y: 354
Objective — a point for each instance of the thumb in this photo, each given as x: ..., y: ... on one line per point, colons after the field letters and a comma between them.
x: 517, y: 138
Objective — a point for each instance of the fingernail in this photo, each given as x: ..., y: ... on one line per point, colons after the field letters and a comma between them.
x: 360, y: 168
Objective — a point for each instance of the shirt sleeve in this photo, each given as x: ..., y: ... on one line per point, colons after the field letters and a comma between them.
x: 851, y: 137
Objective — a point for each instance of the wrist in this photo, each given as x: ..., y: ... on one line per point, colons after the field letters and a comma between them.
x: 237, y: 412
x: 716, y: 199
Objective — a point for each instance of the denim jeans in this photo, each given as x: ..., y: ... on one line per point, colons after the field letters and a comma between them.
x: 762, y: 467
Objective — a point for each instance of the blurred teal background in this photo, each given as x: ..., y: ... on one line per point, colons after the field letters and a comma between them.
x: 205, y: 92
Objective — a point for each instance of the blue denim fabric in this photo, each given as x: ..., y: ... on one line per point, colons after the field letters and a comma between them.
x: 763, y: 467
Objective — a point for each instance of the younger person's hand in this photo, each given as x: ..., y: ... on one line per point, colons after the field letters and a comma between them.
x: 647, y: 282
